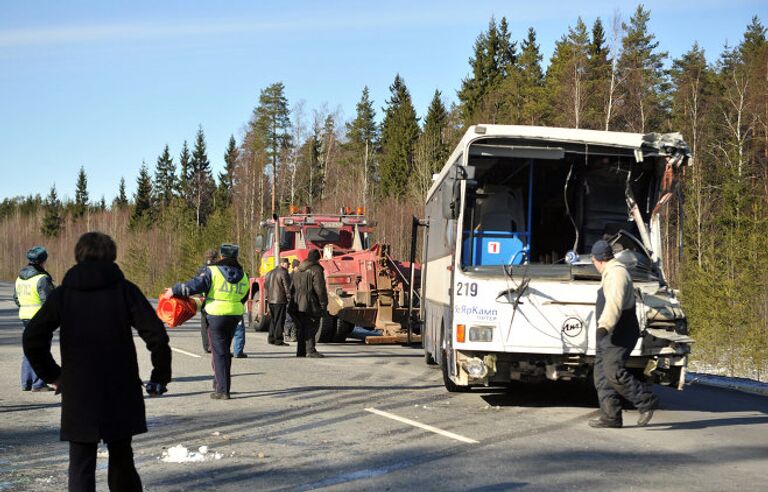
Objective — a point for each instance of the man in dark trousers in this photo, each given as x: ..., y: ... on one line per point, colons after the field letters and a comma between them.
x: 208, y: 258
x: 33, y: 286
x: 311, y: 300
x: 290, y: 322
x: 225, y: 286
x: 94, y: 310
x: 278, y: 284
x: 617, y: 334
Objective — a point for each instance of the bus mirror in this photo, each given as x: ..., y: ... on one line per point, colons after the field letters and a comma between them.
x: 450, y: 233
x: 259, y: 242
x: 465, y: 172
x: 450, y: 199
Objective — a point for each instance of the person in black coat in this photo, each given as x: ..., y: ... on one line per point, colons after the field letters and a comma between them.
x: 95, y: 308
x: 311, y: 303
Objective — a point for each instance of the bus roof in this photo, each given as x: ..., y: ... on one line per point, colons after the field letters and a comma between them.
x: 659, y: 142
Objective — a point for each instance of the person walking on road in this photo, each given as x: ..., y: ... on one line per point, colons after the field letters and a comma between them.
x: 94, y: 310
x: 225, y: 286
x: 278, y: 284
x: 617, y: 333
x: 311, y: 303
x: 208, y: 258
x: 33, y: 286
x: 238, y: 341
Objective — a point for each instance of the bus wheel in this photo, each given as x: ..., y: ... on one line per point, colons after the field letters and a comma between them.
x: 449, y: 385
x: 428, y: 359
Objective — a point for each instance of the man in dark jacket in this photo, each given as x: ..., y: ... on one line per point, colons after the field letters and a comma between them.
x: 225, y: 286
x: 278, y: 284
x: 208, y: 258
x: 311, y: 298
x: 617, y: 334
x: 33, y: 286
x: 290, y: 322
x: 95, y: 308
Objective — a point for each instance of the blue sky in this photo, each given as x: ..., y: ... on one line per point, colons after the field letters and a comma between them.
x: 106, y: 85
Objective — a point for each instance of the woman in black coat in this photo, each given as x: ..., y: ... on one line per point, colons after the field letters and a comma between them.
x: 95, y: 307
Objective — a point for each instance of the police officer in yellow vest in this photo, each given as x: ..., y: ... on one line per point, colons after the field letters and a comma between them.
x: 225, y: 286
x: 32, y: 288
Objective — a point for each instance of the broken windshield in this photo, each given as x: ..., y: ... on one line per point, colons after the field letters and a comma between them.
x: 549, y: 210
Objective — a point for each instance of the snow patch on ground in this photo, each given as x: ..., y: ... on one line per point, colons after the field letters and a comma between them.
x: 180, y: 454
x: 738, y: 384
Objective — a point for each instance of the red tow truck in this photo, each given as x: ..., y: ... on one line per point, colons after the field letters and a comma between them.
x: 366, y: 287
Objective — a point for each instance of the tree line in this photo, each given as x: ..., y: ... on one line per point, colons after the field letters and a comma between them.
x: 612, y: 77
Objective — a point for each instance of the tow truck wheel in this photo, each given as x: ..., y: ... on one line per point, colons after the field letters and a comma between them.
x: 449, y: 385
x: 255, y: 322
x: 343, y: 329
x: 327, y: 330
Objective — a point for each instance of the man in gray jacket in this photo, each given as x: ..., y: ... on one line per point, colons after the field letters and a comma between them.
x: 617, y: 334
x: 311, y: 299
x: 278, y: 283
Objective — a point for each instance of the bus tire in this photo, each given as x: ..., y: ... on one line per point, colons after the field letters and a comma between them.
x: 428, y: 359
x: 449, y: 385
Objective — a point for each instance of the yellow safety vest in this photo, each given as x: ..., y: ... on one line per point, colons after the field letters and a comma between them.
x: 29, y: 299
x: 224, y: 298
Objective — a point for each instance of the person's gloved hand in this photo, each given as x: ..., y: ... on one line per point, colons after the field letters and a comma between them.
x: 601, y: 333
x: 168, y: 293
x: 155, y: 389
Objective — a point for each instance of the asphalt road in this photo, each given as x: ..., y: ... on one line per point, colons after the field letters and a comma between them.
x: 306, y: 424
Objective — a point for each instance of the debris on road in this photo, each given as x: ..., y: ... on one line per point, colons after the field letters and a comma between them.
x: 180, y: 454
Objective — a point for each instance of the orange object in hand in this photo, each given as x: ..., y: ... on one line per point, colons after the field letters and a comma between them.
x: 174, y: 311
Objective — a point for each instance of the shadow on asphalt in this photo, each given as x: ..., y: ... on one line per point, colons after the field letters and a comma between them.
x: 546, y: 394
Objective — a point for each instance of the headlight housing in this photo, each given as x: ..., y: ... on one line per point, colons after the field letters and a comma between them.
x: 481, y: 333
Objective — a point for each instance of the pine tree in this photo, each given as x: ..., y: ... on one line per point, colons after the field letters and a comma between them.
x: 435, y: 124
x: 201, y: 185
x: 272, y: 124
x: 568, y: 77
x: 227, y: 177
x: 184, y: 172
x: 692, y: 111
x: 494, y: 60
x: 52, y: 220
x: 166, y: 182
x: 363, y: 135
x: 81, y: 195
x: 102, y: 206
x: 530, y: 102
x: 143, y: 211
x: 121, y: 200
x: 599, y: 80
x: 399, y: 133
x: 431, y: 148
x: 644, y: 83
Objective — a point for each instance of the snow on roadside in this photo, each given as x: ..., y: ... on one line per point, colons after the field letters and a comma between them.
x: 180, y: 454
x: 725, y: 382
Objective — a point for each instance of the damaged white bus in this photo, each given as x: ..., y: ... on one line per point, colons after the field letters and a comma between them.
x: 507, y: 285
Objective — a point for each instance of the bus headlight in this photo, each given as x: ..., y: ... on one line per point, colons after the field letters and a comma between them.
x: 475, y: 368
x: 480, y: 333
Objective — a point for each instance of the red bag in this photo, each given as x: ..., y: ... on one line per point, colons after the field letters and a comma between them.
x: 176, y: 310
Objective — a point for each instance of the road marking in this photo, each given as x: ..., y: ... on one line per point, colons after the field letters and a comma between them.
x: 422, y: 426
x: 185, y: 352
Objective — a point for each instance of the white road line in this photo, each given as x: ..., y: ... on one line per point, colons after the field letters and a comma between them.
x: 185, y: 352
x: 422, y: 426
